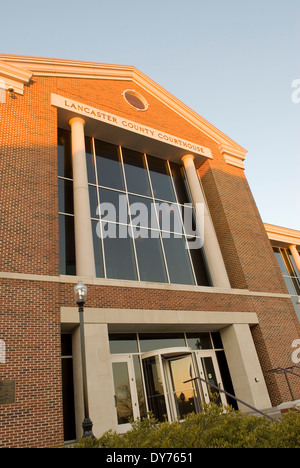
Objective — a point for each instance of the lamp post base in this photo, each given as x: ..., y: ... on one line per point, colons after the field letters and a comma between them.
x: 87, y: 427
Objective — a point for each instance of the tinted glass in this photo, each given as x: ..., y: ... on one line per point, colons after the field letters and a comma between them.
x: 64, y: 154
x: 109, y: 169
x: 93, y: 201
x: 161, y: 180
x: 97, y: 249
x: 198, y: 341
x: 200, y: 269
x: 179, y: 265
x: 180, y: 183
x: 123, y: 343
x: 169, y: 217
x: 280, y: 261
x: 90, y: 162
x: 119, y: 257
x: 150, y: 257
x: 67, y: 265
x: 153, y: 341
x: 115, y: 208
x: 65, y: 196
x: 143, y: 212
x: 136, y: 174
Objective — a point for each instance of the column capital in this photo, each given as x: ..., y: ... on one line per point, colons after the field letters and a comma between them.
x: 75, y: 120
x: 188, y: 158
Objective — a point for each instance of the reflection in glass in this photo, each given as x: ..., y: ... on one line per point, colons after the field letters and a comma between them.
x: 97, y: 250
x: 161, y: 180
x: 90, y: 162
x: 150, y: 257
x: 184, y: 394
x: 123, y: 343
x: 109, y: 169
x: 122, y: 392
x: 93, y: 201
x: 151, y: 341
x: 169, y: 217
x: 154, y: 388
x: 136, y: 173
x: 142, y: 211
x: 198, y: 341
x: 119, y: 256
x: 177, y: 254
x: 140, y: 386
x: 199, y: 264
x: 180, y: 183
x: 210, y: 376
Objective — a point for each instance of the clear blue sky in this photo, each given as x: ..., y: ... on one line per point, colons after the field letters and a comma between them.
x: 232, y: 61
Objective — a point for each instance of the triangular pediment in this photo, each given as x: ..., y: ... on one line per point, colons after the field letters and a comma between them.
x: 22, y: 68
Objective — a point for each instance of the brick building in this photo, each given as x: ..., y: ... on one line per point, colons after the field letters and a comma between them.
x: 194, y: 291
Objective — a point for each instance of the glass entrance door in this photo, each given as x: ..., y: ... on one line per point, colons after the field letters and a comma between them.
x: 209, y: 370
x: 126, y: 398
x: 165, y: 372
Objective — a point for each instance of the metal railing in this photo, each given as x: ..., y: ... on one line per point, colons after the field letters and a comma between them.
x: 218, y: 389
x: 286, y: 371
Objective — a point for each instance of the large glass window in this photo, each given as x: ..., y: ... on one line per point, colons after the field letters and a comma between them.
x: 138, y: 215
x: 290, y: 274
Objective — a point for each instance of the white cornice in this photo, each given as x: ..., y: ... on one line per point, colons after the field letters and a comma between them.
x: 282, y: 234
x: 40, y: 66
x: 15, y: 77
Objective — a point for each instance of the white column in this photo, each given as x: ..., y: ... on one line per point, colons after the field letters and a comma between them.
x: 85, y: 262
x: 296, y: 256
x: 244, y: 366
x: 211, y: 245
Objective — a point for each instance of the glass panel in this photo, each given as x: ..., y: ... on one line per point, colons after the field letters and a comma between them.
x: 296, y: 273
x: 177, y: 254
x: 210, y: 376
x: 123, y: 343
x: 115, y: 208
x: 143, y: 212
x: 180, y: 183
x: 122, y: 392
x: 140, y: 386
x: 64, y: 154
x: 154, y: 388
x: 289, y: 284
x: 198, y: 341
x: 184, y: 393
x: 93, y: 201
x: 217, y: 340
x: 109, y: 169
x: 65, y: 196
x: 90, y: 161
x: 152, y: 341
x: 67, y: 263
x: 136, y: 173
x: 169, y: 217
x: 226, y: 378
x: 150, y: 257
x: 199, y: 264
x: 97, y: 250
x: 161, y: 180
x: 280, y: 261
x: 119, y: 255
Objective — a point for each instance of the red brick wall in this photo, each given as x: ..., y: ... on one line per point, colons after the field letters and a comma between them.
x: 30, y: 311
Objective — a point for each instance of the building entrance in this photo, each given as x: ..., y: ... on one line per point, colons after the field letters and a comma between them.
x: 154, y: 382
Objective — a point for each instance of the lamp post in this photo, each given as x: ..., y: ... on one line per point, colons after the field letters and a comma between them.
x: 80, y: 296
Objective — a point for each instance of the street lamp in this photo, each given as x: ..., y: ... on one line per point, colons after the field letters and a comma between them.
x: 80, y: 296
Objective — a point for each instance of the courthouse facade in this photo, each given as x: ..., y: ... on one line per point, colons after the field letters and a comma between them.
x: 109, y: 179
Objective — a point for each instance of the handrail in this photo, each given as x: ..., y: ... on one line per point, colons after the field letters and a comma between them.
x: 231, y: 396
x: 285, y: 371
